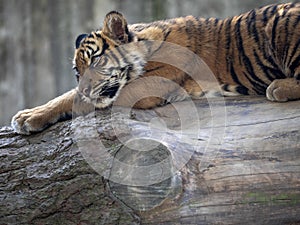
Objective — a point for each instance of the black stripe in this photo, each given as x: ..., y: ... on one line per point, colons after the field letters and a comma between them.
x: 263, y: 67
x: 189, y: 27
x: 251, y: 26
x: 154, y: 69
x: 258, y: 85
x: 167, y: 35
x: 112, y: 56
x: 130, y: 36
x: 277, y: 73
x: 225, y: 87
x: 239, y: 89
x: 234, y: 75
x: 295, y: 64
x: 268, y: 62
x: 119, y: 50
x: 89, y: 47
x: 242, y: 90
x: 109, y: 91
x: 82, y: 52
x: 296, y: 22
x: 268, y: 13
x: 218, y: 35
x: 285, y: 10
x: 97, y: 86
x: 97, y: 50
x: 273, y: 67
x: 296, y: 46
x: 216, y: 22
x: 228, y: 34
x: 286, y: 41
x: 207, y: 21
x: 265, y: 16
x: 239, y: 40
x: 104, y: 47
x: 122, y: 52
x: 273, y: 10
x: 88, y: 53
x: 274, y: 29
x: 98, y: 35
x: 88, y: 42
x: 295, y: 50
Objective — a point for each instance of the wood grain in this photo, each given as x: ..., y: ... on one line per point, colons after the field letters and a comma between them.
x: 232, y: 162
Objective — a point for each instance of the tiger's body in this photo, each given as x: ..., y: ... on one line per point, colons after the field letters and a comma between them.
x: 254, y: 53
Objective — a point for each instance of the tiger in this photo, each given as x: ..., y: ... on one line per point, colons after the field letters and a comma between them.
x: 254, y: 53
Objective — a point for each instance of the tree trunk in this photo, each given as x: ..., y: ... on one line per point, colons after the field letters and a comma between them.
x: 202, y: 162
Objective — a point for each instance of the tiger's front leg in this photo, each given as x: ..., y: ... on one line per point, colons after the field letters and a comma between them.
x: 39, y: 118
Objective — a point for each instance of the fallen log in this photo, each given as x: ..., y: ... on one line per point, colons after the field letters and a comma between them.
x: 196, y: 162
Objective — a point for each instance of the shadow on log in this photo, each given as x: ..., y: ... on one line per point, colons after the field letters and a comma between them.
x: 216, y: 162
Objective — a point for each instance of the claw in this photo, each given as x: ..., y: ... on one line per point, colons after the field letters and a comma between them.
x: 18, y: 128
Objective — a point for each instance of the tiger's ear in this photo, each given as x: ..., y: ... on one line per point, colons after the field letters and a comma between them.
x: 115, y: 27
x: 79, y: 39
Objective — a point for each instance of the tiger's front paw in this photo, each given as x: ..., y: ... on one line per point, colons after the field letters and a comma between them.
x: 31, y: 120
x: 283, y: 90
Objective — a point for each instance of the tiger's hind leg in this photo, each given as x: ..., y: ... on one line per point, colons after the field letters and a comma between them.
x: 282, y: 33
x: 283, y: 90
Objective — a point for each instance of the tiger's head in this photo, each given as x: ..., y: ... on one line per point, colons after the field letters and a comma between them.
x: 105, y: 61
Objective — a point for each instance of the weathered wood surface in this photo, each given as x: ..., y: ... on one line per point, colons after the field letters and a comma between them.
x: 241, y: 167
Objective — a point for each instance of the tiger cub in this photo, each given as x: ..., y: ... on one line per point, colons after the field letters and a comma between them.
x: 253, y: 53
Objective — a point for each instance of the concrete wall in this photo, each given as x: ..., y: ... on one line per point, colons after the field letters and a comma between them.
x: 37, y: 40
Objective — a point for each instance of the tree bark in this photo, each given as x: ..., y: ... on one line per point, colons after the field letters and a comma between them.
x: 201, y: 162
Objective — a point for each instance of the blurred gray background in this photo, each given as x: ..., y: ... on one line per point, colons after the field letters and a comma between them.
x: 37, y: 39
